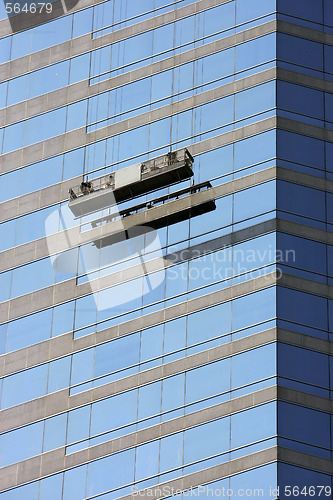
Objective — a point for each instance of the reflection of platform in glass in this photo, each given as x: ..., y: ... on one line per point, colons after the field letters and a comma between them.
x: 129, y: 182
x: 171, y: 213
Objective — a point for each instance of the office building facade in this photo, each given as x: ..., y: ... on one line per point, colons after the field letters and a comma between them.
x: 195, y: 357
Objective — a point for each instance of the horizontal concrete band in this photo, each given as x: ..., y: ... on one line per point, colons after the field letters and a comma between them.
x: 82, y: 90
x: 305, y: 399
x: 308, y: 232
x: 304, y: 80
x: 79, y: 137
x: 56, y: 461
x: 85, y: 43
x: 72, y: 237
x: 60, y: 401
x: 305, y: 341
x: 308, y: 286
x: 233, y: 467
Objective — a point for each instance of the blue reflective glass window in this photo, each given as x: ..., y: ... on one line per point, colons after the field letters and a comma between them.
x: 255, y: 149
x: 300, y: 51
x: 73, y: 163
x: 55, y: 432
x: 32, y: 226
x: 297, y: 476
x: 137, y: 47
x: 254, y: 201
x: 82, y: 366
x: 117, y: 354
x: 82, y: 22
x: 301, y: 200
x: 254, y: 308
x: 5, y: 281
x: 3, y: 94
x: 253, y: 365
x: 31, y: 277
x: 161, y: 84
x: 56, y: 31
x: 21, y: 43
x: 110, y: 472
x: 207, y: 381
x: 256, y: 480
x: 79, y: 68
x: 76, y: 115
x: 299, y: 252
x: 302, y: 308
x: 10, y: 185
x: 50, y: 488
x: 114, y: 412
x: 7, y: 234
x: 11, y: 444
x: 328, y: 58
x: 304, y: 424
x: 75, y: 483
x: 146, y: 463
x: 149, y: 400
x: 255, y: 100
x: 298, y: 148
x: 40, y: 175
x: 164, y: 36
x: 24, y: 386
x: 5, y: 46
x: 17, y: 89
x: 294, y: 363
x: 13, y: 137
x: 255, y: 52
x: 307, y: 9
x: 29, y: 330
x: 78, y: 424
x: 218, y: 318
x: 151, y: 343
x: 253, y: 424
x: 63, y: 318
x: 246, y: 11
x: 28, y: 492
x: 171, y: 453
x: 175, y: 335
x: 206, y: 440
x: 218, y: 19
x: 328, y: 12
x: 48, y: 79
x: 173, y: 392
x: 299, y: 99
x: 85, y: 311
x: 329, y: 201
x: 211, y: 221
x: 59, y: 373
